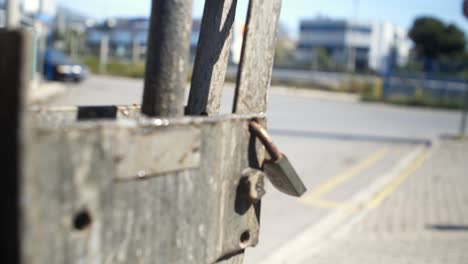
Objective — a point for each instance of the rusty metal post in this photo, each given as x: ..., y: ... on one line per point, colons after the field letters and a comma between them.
x: 166, y: 63
x: 464, y: 113
x: 104, y: 53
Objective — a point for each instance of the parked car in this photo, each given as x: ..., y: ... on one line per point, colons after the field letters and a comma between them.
x: 60, y: 67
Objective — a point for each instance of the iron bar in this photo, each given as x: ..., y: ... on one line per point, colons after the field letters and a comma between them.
x: 166, y: 63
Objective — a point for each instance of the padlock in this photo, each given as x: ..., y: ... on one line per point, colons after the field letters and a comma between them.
x: 278, y: 169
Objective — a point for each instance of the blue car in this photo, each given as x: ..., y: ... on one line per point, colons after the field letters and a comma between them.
x: 59, y: 67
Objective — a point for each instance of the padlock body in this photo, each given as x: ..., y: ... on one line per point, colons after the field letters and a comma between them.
x: 284, y: 177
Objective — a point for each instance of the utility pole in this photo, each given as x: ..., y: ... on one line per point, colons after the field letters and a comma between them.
x: 351, y: 63
x: 136, y: 50
x: 104, y: 48
x: 12, y: 14
x: 352, y: 59
x: 464, y: 114
x: 104, y: 53
x: 465, y: 105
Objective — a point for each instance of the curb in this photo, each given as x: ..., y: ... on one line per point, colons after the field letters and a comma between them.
x: 315, y: 94
x: 44, y: 92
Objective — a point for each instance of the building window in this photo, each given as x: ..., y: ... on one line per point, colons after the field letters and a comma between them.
x: 323, y: 27
x: 142, y: 37
x: 121, y: 37
x: 334, y: 28
x: 305, y: 46
x: 361, y: 29
x: 94, y: 37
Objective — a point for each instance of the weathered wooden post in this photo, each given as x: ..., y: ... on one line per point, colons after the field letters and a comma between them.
x: 212, y: 57
x: 108, y: 184
x: 257, y: 57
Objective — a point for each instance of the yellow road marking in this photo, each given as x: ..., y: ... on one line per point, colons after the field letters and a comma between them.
x: 393, y: 185
x: 341, y: 178
x: 325, y: 204
x: 397, y: 150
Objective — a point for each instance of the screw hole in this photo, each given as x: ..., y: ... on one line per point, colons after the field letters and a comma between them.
x: 82, y: 220
x: 245, y: 238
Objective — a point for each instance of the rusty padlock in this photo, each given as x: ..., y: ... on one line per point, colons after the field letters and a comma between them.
x: 278, y: 169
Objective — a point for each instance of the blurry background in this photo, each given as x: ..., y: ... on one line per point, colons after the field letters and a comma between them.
x: 347, y: 76
x: 408, y: 52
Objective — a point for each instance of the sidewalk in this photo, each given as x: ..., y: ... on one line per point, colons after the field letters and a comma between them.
x: 424, y: 221
x: 323, y: 95
x: 43, y: 91
x: 316, y: 94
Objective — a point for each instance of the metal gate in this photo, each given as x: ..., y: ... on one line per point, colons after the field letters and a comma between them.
x: 160, y: 183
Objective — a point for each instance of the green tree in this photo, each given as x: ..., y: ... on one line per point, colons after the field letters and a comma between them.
x: 433, y: 38
x: 284, y: 52
x: 321, y: 60
x: 285, y: 47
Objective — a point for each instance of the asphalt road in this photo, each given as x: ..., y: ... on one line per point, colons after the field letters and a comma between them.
x: 292, y: 112
x: 338, y: 145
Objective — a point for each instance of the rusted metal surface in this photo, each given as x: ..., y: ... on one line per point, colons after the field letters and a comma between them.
x: 253, y: 184
x: 278, y: 168
x: 260, y: 132
x: 211, y: 61
x: 94, y: 217
x: 15, y: 54
x: 256, y: 62
x: 112, y: 185
x: 167, y: 58
x: 148, y: 153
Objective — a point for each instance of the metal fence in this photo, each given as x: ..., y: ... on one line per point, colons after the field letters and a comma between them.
x: 429, y: 82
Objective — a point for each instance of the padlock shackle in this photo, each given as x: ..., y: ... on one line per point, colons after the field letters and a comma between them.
x: 261, y: 133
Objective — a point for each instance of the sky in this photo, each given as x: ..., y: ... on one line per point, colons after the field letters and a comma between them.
x: 399, y: 12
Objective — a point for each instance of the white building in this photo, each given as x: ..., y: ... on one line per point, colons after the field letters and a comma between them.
x: 46, y: 8
x: 386, y: 36
x: 236, y: 44
x: 351, y: 44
